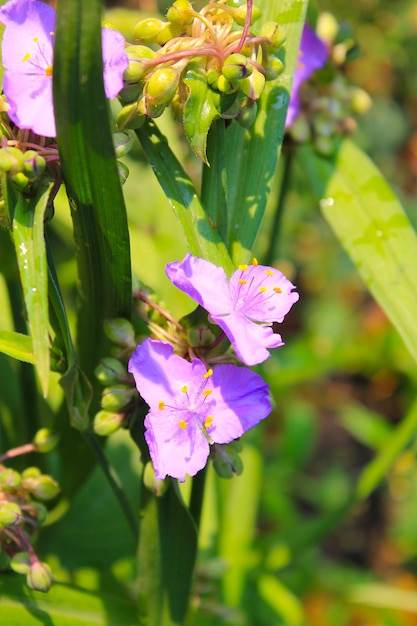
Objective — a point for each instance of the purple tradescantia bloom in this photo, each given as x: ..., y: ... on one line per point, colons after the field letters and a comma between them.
x: 312, y: 55
x: 27, y: 51
x: 245, y: 307
x: 192, y: 407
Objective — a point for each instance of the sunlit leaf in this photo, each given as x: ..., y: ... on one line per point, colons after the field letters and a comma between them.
x: 17, y: 346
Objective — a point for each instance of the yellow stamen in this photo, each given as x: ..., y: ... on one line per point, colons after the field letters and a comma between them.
x: 36, y: 39
x: 243, y: 267
x: 277, y: 290
x: 207, y: 392
x: 182, y: 424
x: 269, y: 272
x: 208, y: 373
x: 208, y: 421
x: 255, y: 261
x: 184, y: 389
x: 242, y: 281
x: 263, y: 289
x: 161, y: 405
x: 49, y: 70
x: 26, y: 57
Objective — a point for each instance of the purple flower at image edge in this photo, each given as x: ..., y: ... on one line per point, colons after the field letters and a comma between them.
x: 246, y: 307
x: 312, y: 56
x: 192, y: 407
x: 27, y: 51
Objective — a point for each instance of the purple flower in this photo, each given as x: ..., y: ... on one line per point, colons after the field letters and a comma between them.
x: 245, y: 307
x: 27, y: 51
x: 192, y: 407
x: 312, y: 55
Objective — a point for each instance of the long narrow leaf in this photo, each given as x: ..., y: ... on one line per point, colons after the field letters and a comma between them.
x: 17, y: 346
x: 371, y: 225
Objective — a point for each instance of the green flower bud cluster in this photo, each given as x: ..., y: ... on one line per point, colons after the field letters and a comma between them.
x: 329, y: 103
x: 22, y: 511
x: 24, y: 169
x: 226, y: 460
x: 235, y: 62
x: 119, y: 396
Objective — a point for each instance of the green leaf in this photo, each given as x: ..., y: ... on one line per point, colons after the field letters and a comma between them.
x: 371, y: 225
x: 17, y: 345
x: 200, y: 110
x: 167, y: 553
x: 202, y: 237
x: 29, y: 241
x: 91, y: 176
x: 252, y: 154
x: 61, y: 606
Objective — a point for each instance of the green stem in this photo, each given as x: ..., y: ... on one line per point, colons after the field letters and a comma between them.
x: 279, y: 211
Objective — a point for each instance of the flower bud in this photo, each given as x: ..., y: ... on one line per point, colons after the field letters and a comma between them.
x: 9, y: 479
x: 20, y: 180
x: 130, y: 93
x: 148, y: 29
x: 110, y: 370
x: 129, y: 117
x: 199, y: 330
x: 247, y: 113
x: 226, y: 460
x: 120, y: 331
x: 38, y: 511
x: 181, y: 13
x: 274, y: 68
x: 273, y: 32
x: 10, y: 514
x: 236, y: 67
x: 253, y: 85
x: 31, y: 473
x: 11, y: 160
x: 33, y: 164
x: 327, y: 27
x: 20, y: 562
x: 149, y: 109
x: 212, y: 78
x: 161, y: 85
x: 123, y: 143
x: 117, y: 397
x: 300, y: 129
x: 106, y: 423
x: 361, y: 101
x: 138, y: 66
x: 158, y: 487
x: 39, y: 577
x: 168, y: 32
x: 224, y: 85
x: 239, y: 14
x: 44, y: 440
x: 46, y: 489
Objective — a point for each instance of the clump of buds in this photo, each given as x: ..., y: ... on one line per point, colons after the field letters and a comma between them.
x: 215, y: 44
x: 22, y: 511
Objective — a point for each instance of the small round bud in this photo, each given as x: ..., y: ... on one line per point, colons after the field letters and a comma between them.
x: 247, y: 113
x: 10, y: 514
x: 147, y: 30
x: 39, y: 577
x: 274, y: 68
x: 31, y: 473
x: 158, y: 487
x: 149, y: 109
x: 239, y: 14
x: 38, y: 511
x: 181, y: 13
x: 117, y: 397
x: 273, y: 32
x: 20, y: 180
x: 20, y: 562
x: 361, y: 101
x: 44, y: 440
x: 161, y: 85
x: 46, y: 489
x: 33, y: 164
x: 123, y: 143
x: 130, y: 93
x: 120, y: 331
x: 253, y: 86
x: 130, y: 118
x: 212, y: 78
x: 11, y: 159
x: 110, y: 370
x: 236, y: 67
x: 168, y: 32
x: 327, y: 27
x: 9, y: 479
x: 224, y: 85
x: 138, y: 57
x: 106, y: 423
x: 226, y: 460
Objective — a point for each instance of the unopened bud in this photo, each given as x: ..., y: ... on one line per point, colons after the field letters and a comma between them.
x: 161, y: 85
x: 11, y: 159
x: 273, y: 32
x: 138, y: 66
x: 120, y: 331
x: 129, y: 117
x: 117, y: 397
x: 236, y: 66
x: 39, y: 577
x: 158, y: 487
x: 20, y: 562
x: 224, y: 85
x: 247, y: 113
x: 122, y: 143
x: 226, y: 460
x: 44, y: 440
x: 212, y: 77
x: 181, y: 13
x: 253, y: 85
x: 9, y: 479
x: 33, y: 164
x: 274, y: 68
x: 123, y: 172
x: 110, y: 370
x: 106, y: 423
x: 40, y: 485
x: 10, y: 514
x: 147, y: 30
x: 20, y: 180
x: 239, y: 14
x: 38, y: 511
x: 300, y: 129
x: 168, y: 32
x: 361, y: 101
